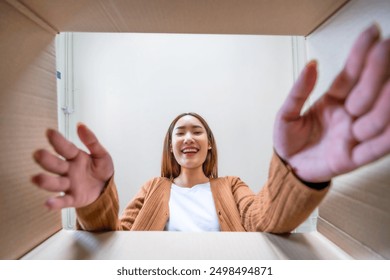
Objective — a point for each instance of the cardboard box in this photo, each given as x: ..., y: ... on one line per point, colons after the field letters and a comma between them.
x: 28, y: 106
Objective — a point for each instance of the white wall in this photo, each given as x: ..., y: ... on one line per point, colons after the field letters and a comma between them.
x: 129, y: 87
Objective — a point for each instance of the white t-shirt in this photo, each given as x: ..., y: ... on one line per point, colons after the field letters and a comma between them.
x: 192, y: 209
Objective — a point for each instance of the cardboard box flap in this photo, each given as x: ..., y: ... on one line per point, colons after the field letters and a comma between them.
x: 278, y: 17
x: 356, y: 211
x: 68, y: 244
x: 28, y: 104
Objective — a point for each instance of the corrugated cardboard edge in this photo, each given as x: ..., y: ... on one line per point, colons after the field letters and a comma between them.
x: 334, y: 11
x: 298, y: 17
x: 33, y: 16
x: 344, y: 241
x: 68, y: 244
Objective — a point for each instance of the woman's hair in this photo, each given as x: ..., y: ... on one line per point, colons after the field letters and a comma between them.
x: 169, y: 166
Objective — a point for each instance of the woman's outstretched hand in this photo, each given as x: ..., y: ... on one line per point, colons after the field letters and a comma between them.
x: 349, y: 126
x: 80, y: 176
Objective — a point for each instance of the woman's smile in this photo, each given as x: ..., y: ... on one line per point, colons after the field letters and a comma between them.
x: 189, y: 151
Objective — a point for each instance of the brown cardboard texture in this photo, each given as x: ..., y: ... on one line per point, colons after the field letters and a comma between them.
x: 278, y: 17
x: 28, y: 105
x: 355, y: 214
x: 185, y: 245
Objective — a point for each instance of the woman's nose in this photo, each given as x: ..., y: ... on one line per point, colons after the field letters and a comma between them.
x: 188, y: 138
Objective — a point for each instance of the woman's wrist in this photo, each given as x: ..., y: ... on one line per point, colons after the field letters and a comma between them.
x: 312, y: 185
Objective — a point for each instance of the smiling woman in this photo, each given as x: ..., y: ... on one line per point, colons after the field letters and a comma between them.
x: 189, y: 197
x: 190, y: 150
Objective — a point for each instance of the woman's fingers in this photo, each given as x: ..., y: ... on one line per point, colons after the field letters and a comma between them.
x: 292, y: 106
x: 79, y: 183
x: 60, y: 202
x: 349, y: 76
x: 374, y: 122
x: 372, y: 149
x: 375, y: 73
x: 61, y: 145
x: 90, y: 141
x: 50, y: 162
x: 51, y: 183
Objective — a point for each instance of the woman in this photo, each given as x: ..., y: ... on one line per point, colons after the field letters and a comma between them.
x: 189, y: 196
x: 329, y: 139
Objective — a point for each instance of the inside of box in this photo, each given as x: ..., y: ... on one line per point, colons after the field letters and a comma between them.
x: 29, y: 105
x: 150, y: 245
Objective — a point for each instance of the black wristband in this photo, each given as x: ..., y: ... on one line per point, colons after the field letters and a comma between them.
x: 316, y: 186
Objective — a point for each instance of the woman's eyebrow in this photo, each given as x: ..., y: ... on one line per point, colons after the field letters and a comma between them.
x: 193, y: 127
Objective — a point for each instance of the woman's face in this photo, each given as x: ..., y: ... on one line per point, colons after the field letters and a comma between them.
x: 189, y: 142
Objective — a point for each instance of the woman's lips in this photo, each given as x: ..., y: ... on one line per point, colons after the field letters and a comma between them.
x: 190, y: 151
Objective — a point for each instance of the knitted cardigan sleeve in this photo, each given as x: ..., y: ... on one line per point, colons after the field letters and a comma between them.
x: 102, y: 214
x: 282, y: 204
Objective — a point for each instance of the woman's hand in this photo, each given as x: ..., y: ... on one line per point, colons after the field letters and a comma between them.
x: 80, y: 176
x: 349, y: 126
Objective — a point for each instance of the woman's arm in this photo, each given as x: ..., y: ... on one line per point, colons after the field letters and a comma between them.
x: 102, y: 215
x: 282, y: 204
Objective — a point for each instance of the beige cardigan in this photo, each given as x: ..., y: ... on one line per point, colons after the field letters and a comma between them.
x: 281, y: 205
